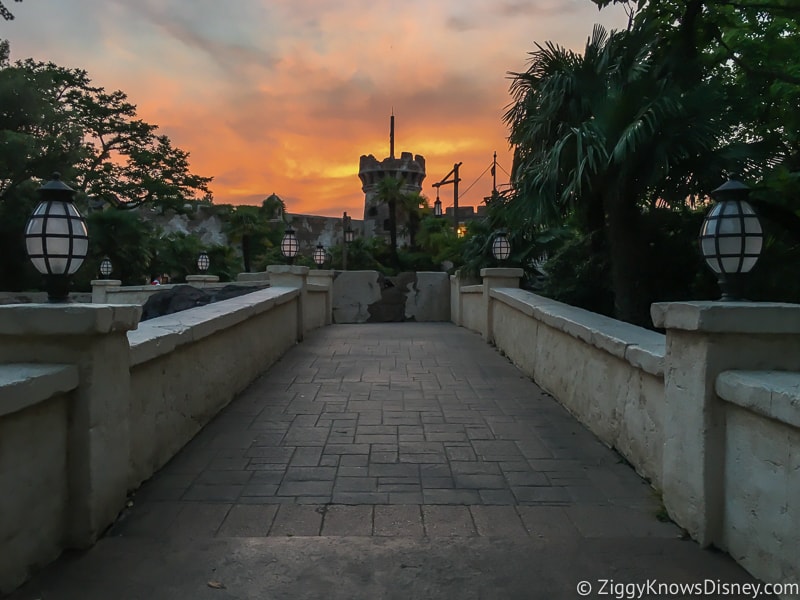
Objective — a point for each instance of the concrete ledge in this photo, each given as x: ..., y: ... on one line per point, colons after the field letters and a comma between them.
x: 641, y: 348
x: 160, y: 336
x: 772, y: 394
x: 472, y: 289
x: 67, y: 319
x: 23, y: 385
x: 317, y: 287
x: 728, y: 317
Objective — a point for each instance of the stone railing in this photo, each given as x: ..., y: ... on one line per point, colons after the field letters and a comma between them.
x: 111, y: 291
x: 92, y: 402
x: 709, y: 412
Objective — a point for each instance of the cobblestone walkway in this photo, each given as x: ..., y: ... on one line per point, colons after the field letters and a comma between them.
x: 388, y: 460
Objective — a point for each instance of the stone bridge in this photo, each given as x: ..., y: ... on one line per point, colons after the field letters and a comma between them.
x: 209, y: 455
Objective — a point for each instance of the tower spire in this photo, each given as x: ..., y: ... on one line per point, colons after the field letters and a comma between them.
x: 391, y: 135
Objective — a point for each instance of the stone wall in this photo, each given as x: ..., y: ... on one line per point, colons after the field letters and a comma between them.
x: 35, y: 407
x: 370, y: 297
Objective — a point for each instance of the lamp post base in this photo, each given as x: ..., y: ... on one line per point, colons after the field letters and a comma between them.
x: 57, y: 287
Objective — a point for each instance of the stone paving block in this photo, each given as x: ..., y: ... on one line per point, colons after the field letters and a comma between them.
x: 447, y: 521
x: 223, y: 477
x: 360, y: 497
x: 354, y: 460
x: 347, y: 520
x: 450, y: 496
x: 356, y: 484
x: 260, y: 489
x: 305, y: 488
x: 346, y: 449
x: 297, y: 520
x: 352, y: 472
x: 398, y: 521
x: 393, y: 470
x: 307, y: 456
x: 479, y: 481
x: 375, y: 439
x: 498, y: 521
x: 497, y: 497
x: 329, y: 460
x: 437, y: 482
x: 475, y: 468
x: 529, y: 478
x: 460, y: 453
x: 248, y: 520
x: 383, y: 457
x: 201, y: 492
x: 423, y: 458
x: 270, y: 454
x: 540, y: 494
x: 198, y: 520
x: 310, y: 474
x: 318, y: 500
x: 307, y: 436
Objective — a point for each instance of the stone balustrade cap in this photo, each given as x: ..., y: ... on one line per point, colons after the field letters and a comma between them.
x: 288, y: 269
x: 728, y: 317
x: 67, y: 319
x: 105, y: 282
x: 502, y: 272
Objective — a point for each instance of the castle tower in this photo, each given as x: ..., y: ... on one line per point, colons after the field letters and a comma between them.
x: 408, y: 168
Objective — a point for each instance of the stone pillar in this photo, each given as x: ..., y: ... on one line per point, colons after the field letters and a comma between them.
x: 292, y: 276
x: 455, y: 299
x: 496, y: 278
x: 92, y: 337
x: 201, y: 281
x: 702, y: 340
x: 101, y: 288
x: 324, y: 277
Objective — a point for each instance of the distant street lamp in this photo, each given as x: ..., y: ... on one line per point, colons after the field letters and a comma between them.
x: 437, y: 205
x: 56, y: 237
x: 203, y: 262
x: 501, y: 247
x: 731, y: 237
x: 106, y: 268
x: 319, y: 255
x: 349, y: 236
x: 289, y: 245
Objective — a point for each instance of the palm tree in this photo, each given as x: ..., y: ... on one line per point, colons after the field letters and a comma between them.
x: 243, y: 225
x: 595, y: 134
x: 390, y: 192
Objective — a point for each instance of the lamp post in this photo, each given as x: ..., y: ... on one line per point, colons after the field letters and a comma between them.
x: 454, y: 181
x: 106, y: 268
x: 731, y: 237
x: 437, y: 205
x: 203, y: 262
x: 349, y: 236
x: 289, y: 245
x: 501, y: 247
x: 56, y: 237
x: 319, y: 255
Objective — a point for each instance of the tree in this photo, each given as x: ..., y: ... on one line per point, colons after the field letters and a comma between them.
x: 390, y: 192
x: 5, y: 13
x: 595, y: 134
x: 53, y: 118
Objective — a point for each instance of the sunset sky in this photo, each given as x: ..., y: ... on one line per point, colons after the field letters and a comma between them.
x: 284, y: 96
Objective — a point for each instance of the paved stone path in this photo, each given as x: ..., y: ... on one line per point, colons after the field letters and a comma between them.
x: 387, y: 461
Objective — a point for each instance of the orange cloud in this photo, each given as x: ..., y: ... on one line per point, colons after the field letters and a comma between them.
x: 284, y: 96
